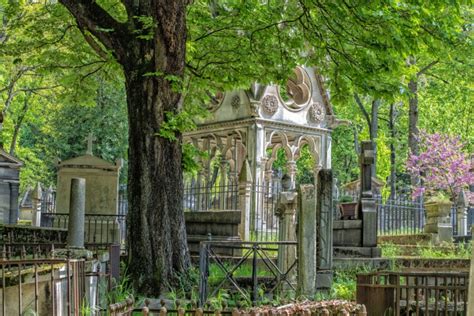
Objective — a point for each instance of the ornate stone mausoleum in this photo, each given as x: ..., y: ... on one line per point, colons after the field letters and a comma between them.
x: 247, y: 128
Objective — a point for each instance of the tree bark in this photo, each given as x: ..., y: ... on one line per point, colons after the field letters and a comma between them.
x: 19, y: 122
x: 374, y: 130
x: 393, y: 157
x: 156, y: 235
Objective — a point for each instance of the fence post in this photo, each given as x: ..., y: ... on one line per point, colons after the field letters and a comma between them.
x: 245, y: 188
x: 203, y: 272
x: 114, y: 259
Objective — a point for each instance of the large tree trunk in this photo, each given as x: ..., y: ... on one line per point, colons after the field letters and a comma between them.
x: 156, y: 228
x: 152, y: 54
x: 155, y: 223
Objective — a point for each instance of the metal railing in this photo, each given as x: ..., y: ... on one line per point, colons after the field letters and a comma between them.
x: 253, y: 252
x: 202, y: 197
x: 31, y: 284
x: 265, y: 224
x: 399, y: 215
x: 99, y: 228
x: 414, y: 293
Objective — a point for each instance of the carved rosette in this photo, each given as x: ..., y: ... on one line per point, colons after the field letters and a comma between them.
x: 270, y: 104
x: 316, y: 112
x: 235, y: 102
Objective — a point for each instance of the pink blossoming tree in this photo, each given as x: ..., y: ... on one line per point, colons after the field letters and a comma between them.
x: 442, y: 165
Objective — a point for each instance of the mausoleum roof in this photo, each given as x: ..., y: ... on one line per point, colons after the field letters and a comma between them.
x: 8, y: 160
x: 88, y: 161
x: 304, y: 104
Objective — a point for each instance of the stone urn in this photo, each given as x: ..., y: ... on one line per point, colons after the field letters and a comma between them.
x: 438, y: 219
x: 348, y: 210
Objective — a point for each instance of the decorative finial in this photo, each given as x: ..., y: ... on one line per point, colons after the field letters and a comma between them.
x: 90, y: 139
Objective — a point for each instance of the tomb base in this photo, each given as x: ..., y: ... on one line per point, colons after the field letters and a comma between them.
x: 357, y: 252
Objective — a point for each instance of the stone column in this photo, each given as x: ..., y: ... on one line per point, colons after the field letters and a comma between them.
x: 286, y: 212
x: 324, y: 219
x: 292, y: 172
x: 307, y: 242
x: 36, y: 197
x: 245, y: 202
x: 75, y: 238
x: 367, y: 207
x: 461, y: 214
x: 14, y: 188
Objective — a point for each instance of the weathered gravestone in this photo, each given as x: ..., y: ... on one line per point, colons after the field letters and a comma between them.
x: 30, y: 205
x: 101, y: 198
x: 9, y: 187
x: 307, y: 241
x: 358, y: 238
x: 286, y: 212
x: 325, y: 228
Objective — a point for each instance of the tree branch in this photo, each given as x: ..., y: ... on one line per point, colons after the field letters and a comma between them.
x: 93, y: 43
x: 424, y: 69
x: 89, y: 15
x: 437, y: 77
x: 364, y: 112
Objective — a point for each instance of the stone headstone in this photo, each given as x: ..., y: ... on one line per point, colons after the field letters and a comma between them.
x: 101, y: 193
x: 325, y: 225
x: 286, y: 212
x: 307, y: 241
x: 30, y: 205
x: 9, y: 187
x: 102, y: 178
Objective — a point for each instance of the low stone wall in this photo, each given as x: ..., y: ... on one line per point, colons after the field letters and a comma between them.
x: 212, y: 225
x: 30, y: 234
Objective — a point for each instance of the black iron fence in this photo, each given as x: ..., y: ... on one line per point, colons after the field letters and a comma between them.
x: 48, y: 201
x: 256, y: 269
x: 99, y: 228
x: 413, y: 293
x: 43, y: 286
x: 399, y: 215
x: 264, y: 222
x: 199, y: 196
x: 38, y: 283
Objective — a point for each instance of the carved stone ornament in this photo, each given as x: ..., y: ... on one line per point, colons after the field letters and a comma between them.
x: 316, y: 112
x: 235, y: 102
x: 270, y: 104
x: 298, y: 87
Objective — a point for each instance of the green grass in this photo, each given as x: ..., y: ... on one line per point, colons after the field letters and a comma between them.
x: 443, y: 251
x: 216, y: 274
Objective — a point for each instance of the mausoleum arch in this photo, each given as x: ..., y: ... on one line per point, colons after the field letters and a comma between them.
x: 303, y: 140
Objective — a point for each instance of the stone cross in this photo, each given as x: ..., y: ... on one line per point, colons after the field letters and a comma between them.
x: 367, y: 208
x: 90, y: 139
x: 367, y: 159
